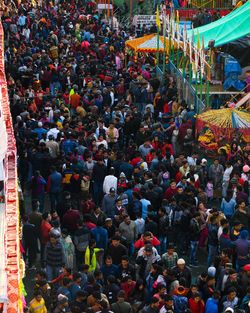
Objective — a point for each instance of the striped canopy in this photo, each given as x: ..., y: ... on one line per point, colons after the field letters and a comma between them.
x: 225, y: 122
x: 226, y: 118
x: 147, y: 43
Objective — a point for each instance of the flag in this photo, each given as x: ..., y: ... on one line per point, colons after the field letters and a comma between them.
x: 196, y: 59
x: 157, y: 20
x: 202, y: 58
x: 191, y: 49
x: 198, y: 40
x: 185, y: 40
x: 177, y: 17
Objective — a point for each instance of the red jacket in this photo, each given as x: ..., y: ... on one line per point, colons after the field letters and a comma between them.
x: 140, y: 242
x: 170, y: 193
x: 44, y: 231
x: 128, y: 288
x: 196, y: 307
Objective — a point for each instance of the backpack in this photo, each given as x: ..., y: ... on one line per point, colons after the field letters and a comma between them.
x: 85, y: 183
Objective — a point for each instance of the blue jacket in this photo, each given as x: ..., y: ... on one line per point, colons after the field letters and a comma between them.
x: 228, y: 208
x: 55, y: 182
x: 101, y: 237
x: 211, y: 306
x: 110, y: 270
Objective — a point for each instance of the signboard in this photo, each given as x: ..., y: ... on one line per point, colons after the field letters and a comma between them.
x: 148, y: 20
x: 104, y: 6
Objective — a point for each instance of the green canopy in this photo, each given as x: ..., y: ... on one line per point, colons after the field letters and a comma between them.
x: 227, y: 29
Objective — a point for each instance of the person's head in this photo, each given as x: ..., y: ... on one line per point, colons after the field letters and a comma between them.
x: 66, y: 281
x: 38, y: 295
x: 161, y: 211
x: 40, y: 275
x: 127, y: 219
x: 115, y: 241
x: 65, y: 233
x: 118, y: 202
x: 197, y: 216
x: 161, y: 288
x: 244, y: 234
x: 169, y: 301
x: 108, y: 222
x: 216, y: 295
x: 225, y: 231
x: 194, y: 289
x: 210, y: 281
x: 147, y: 237
x: 92, y: 243
x: 216, y: 162
x: 154, y: 303
x: 242, y: 205
x: 121, y: 295
x: 196, y: 297
x: 97, y: 210
x: 237, y: 226
x: 231, y: 294
x: 35, y: 205
x: 170, y: 248
x: 173, y: 185
x: 148, y: 250
x: 63, y: 301
x: 81, y: 295
x: 77, y: 277
x: 108, y: 260
x: 112, y: 191
x: 53, y: 239
x: 125, y: 261
x: 181, y: 264
x: 46, y: 216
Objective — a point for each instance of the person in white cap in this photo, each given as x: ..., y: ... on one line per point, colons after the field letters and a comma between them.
x: 182, y: 271
x: 110, y: 181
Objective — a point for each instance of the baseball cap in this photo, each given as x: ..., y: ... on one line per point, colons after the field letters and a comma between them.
x: 112, y: 189
x: 148, y: 248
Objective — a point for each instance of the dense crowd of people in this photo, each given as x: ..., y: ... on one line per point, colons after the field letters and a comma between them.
x: 122, y: 199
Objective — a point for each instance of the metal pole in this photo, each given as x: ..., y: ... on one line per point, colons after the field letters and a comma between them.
x: 158, y: 45
x: 165, y: 48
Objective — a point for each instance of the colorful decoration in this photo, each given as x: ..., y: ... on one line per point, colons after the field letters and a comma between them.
x: 147, y: 43
x: 12, y: 243
x: 222, y: 123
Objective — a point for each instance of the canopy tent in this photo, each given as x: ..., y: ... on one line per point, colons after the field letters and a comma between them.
x: 227, y: 29
x: 240, y: 49
x: 147, y: 43
x: 223, y: 123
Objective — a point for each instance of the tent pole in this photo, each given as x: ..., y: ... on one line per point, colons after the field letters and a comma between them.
x: 158, y: 45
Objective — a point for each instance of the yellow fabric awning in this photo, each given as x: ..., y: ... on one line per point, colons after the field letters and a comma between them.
x: 148, y: 43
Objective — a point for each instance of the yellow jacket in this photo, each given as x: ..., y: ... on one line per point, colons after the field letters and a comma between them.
x: 37, y: 306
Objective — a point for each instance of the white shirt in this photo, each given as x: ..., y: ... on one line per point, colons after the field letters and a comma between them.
x: 103, y: 142
x: 110, y: 181
x: 191, y: 161
x: 227, y: 173
x: 54, y: 132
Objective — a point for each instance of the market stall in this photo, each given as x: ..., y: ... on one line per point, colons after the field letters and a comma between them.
x: 147, y: 44
x: 216, y: 129
x: 11, y: 263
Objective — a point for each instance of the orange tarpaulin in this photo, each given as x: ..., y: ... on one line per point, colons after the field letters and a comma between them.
x: 148, y: 43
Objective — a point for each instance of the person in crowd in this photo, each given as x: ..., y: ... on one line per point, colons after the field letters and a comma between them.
x: 120, y: 189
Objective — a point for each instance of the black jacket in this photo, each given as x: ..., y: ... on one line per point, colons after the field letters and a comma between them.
x: 194, y: 230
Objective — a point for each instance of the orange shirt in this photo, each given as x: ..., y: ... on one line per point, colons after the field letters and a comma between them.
x: 75, y: 100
